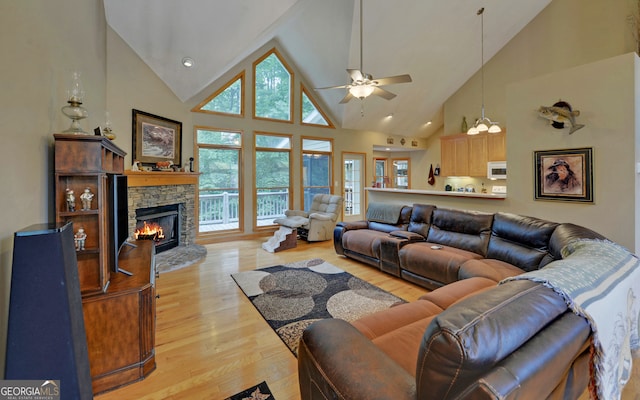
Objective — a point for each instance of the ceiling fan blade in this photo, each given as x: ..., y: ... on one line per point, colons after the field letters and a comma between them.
x: 346, y: 98
x: 391, y: 80
x: 332, y: 87
x: 385, y: 94
x: 355, y: 74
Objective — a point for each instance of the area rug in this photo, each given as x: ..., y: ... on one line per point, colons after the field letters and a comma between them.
x: 292, y: 296
x: 179, y: 257
x: 258, y: 392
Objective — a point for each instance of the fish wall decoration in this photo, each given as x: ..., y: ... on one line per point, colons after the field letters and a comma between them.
x: 559, y: 114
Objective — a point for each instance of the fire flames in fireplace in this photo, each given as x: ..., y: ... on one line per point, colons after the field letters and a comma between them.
x: 149, y: 231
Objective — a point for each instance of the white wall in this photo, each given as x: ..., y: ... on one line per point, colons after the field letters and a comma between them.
x: 604, y: 93
x: 41, y: 43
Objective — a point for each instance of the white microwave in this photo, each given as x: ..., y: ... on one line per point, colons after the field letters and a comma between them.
x: 497, y: 170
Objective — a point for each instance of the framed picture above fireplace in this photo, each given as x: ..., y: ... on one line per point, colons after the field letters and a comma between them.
x: 156, y: 139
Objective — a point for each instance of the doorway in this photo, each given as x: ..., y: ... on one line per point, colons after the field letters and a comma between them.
x: 353, y: 178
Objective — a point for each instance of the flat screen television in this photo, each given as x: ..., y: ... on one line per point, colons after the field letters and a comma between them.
x: 119, y: 219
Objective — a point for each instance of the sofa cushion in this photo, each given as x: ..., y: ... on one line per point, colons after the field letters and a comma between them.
x: 489, y: 268
x: 388, y: 320
x: 438, y: 263
x: 403, y: 344
x: 398, y: 330
x: 363, y: 241
x: 520, y: 240
x: 421, y: 219
x: 466, y: 230
x: 455, y: 292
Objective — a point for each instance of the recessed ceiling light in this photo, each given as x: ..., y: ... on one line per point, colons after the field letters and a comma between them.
x: 428, y: 123
x: 188, y: 62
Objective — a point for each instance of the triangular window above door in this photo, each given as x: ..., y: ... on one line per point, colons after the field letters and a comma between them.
x: 226, y: 100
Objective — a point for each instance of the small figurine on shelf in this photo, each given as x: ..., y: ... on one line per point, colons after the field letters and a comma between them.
x: 71, y: 200
x: 86, y: 198
x: 80, y: 237
x: 136, y: 165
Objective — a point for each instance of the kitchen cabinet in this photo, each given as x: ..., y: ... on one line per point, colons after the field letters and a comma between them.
x: 497, y: 146
x: 454, y: 151
x: 477, y: 155
x: 467, y: 155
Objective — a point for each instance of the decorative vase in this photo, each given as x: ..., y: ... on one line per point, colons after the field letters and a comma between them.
x: 465, y: 127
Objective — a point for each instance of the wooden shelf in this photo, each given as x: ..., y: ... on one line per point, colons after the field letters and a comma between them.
x: 160, y: 178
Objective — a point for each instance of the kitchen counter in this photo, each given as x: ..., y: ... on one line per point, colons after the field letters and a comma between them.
x: 475, y: 195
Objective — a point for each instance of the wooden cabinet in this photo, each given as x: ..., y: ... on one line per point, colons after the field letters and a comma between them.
x: 120, y: 323
x: 454, y: 151
x: 477, y: 155
x: 467, y: 155
x: 83, y: 162
x: 118, y: 310
x: 497, y: 147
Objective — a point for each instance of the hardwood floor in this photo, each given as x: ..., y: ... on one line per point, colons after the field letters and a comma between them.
x: 212, y: 343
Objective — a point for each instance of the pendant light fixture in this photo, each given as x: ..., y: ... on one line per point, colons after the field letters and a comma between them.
x: 483, y: 124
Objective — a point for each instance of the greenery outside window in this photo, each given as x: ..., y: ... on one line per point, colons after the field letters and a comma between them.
x: 226, y: 100
x: 312, y: 114
x: 317, y: 173
x: 272, y: 95
x: 272, y: 177
x: 220, y: 189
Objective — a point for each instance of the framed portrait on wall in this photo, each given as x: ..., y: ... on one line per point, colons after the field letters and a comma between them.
x: 156, y: 139
x: 564, y: 175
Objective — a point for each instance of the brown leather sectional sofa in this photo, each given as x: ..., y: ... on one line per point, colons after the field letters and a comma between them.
x: 467, y: 339
x: 433, y: 246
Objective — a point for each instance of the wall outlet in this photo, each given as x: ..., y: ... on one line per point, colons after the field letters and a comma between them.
x: 498, y: 189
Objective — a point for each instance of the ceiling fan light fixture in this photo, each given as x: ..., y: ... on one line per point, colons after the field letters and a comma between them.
x: 361, y: 91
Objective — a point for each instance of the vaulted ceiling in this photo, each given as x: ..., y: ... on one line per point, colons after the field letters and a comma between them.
x: 437, y: 42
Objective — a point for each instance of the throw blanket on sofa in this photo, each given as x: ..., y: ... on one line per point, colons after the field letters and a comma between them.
x: 600, y: 281
x: 383, y: 212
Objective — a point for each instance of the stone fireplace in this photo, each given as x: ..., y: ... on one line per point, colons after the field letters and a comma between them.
x: 159, y: 189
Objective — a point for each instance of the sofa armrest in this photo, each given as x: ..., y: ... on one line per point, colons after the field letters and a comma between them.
x: 348, y: 226
x: 321, y: 216
x: 296, y: 213
x: 335, y: 361
x: 341, y: 228
x: 391, y: 245
x: 410, y: 236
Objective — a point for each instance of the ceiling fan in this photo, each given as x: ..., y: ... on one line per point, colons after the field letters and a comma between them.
x: 363, y: 85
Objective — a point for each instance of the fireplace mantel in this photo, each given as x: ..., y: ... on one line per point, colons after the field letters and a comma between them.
x: 160, y: 178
